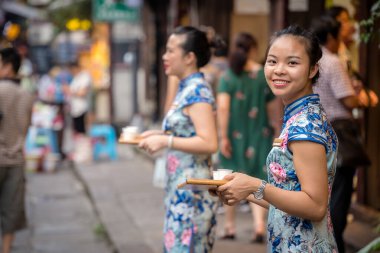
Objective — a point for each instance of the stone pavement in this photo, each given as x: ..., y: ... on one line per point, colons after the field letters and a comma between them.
x: 131, y: 209
x: 61, y: 217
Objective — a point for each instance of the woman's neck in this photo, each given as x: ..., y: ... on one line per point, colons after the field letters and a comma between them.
x: 188, y: 72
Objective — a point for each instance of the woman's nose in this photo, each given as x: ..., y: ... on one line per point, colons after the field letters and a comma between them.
x: 279, y: 69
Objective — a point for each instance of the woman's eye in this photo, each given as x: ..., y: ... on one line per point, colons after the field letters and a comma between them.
x: 292, y: 63
x: 271, y: 62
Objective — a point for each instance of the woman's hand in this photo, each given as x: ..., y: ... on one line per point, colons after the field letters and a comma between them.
x: 225, y: 147
x: 154, y: 143
x: 239, y: 187
x: 150, y: 133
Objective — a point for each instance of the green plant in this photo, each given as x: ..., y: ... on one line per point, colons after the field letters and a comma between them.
x: 100, y: 231
x: 373, y: 246
x: 368, y: 25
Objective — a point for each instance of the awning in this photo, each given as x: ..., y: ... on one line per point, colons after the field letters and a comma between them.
x: 23, y: 10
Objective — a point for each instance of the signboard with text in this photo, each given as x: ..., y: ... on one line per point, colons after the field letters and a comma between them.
x: 114, y: 10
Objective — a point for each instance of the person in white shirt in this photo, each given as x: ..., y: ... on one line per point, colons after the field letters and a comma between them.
x: 79, y: 91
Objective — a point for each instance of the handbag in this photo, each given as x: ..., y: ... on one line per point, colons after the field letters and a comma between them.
x: 159, y: 175
x: 351, y: 150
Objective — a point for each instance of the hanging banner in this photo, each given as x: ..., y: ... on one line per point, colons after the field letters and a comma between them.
x: 114, y: 10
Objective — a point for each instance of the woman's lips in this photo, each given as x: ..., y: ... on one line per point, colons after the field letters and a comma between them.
x: 280, y: 83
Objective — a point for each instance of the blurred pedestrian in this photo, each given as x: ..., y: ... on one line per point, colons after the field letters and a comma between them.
x: 15, y: 109
x: 244, y: 130
x: 51, y: 93
x: 338, y: 97
x: 301, y: 164
x: 218, y: 63
x: 189, y: 133
x: 79, y: 97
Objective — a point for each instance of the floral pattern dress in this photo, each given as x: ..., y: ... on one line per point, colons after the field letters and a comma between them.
x: 190, y: 219
x: 249, y: 131
x: 304, y: 120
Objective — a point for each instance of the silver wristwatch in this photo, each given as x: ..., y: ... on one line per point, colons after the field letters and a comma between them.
x: 259, y: 194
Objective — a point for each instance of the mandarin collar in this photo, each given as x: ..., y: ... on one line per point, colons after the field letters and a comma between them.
x: 184, y: 82
x: 297, y: 105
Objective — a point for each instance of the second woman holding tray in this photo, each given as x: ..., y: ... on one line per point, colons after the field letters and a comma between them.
x: 190, y: 215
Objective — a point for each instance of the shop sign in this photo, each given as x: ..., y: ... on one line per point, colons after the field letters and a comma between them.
x: 114, y: 10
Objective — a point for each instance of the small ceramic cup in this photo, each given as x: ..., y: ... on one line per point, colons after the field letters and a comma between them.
x: 220, y: 173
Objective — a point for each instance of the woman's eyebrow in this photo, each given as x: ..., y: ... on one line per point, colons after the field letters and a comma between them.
x: 293, y: 56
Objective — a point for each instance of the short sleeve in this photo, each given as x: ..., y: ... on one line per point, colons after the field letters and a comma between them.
x: 224, y: 85
x: 308, y: 128
x: 198, y: 94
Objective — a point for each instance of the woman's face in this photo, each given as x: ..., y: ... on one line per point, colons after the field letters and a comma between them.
x: 174, y: 58
x: 287, y: 69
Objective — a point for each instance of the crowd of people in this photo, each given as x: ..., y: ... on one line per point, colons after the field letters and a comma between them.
x: 288, y: 168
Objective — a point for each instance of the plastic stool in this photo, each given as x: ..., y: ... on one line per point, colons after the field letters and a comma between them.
x: 104, y: 141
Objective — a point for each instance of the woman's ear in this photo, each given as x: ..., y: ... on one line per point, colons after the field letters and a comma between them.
x: 190, y: 58
x: 313, y: 71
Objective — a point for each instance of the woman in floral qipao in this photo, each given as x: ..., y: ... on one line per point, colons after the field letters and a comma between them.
x: 301, y: 164
x: 190, y: 218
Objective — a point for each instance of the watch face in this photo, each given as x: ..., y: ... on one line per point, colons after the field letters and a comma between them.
x: 258, y: 195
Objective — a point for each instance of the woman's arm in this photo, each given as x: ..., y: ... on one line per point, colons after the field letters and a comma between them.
x: 204, y: 142
x: 223, y: 115
x: 311, y: 167
x: 310, y: 162
x: 261, y: 202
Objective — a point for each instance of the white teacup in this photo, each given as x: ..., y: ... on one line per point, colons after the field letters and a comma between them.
x: 220, y: 174
x: 130, y: 132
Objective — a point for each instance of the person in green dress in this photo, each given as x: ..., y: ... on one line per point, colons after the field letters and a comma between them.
x: 246, y: 136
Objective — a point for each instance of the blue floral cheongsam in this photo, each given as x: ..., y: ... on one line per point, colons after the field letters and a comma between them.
x: 190, y: 220
x: 304, y: 120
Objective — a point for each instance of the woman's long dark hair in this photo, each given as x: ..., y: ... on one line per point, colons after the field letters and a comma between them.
x: 239, y: 56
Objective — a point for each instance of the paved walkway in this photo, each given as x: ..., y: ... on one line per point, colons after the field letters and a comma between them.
x: 61, y: 217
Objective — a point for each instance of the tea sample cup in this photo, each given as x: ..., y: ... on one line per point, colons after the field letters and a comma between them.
x: 220, y: 174
x: 130, y: 132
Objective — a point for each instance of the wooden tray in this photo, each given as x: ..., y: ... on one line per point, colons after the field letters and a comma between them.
x: 208, y: 183
x: 135, y: 141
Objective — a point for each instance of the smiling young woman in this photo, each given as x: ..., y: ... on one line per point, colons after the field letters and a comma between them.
x: 301, y: 164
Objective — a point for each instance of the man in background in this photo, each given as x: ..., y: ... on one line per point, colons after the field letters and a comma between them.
x: 16, y: 109
x: 338, y: 98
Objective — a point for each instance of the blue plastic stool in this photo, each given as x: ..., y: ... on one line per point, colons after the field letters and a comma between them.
x: 104, y: 141
x: 39, y: 137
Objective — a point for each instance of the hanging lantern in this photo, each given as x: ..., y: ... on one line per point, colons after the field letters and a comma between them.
x: 11, y: 31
